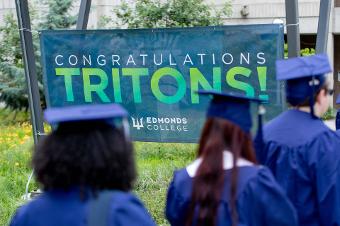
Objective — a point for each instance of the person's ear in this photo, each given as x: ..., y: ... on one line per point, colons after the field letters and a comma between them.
x: 321, y: 95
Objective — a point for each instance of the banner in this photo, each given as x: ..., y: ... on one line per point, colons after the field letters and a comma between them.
x: 155, y: 73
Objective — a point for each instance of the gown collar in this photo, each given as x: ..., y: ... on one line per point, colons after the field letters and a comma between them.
x: 227, y: 163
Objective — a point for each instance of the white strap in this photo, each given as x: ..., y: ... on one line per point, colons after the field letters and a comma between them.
x: 227, y: 163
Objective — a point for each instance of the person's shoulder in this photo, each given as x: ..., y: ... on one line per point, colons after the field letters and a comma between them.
x: 245, y: 175
x: 128, y: 209
x: 181, y: 184
x: 181, y: 177
x: 20, y: 215
x: 257, y: 173
x: 249, y: 172
x: 23, y: 214
x: 261, y: 180
x: 295, y: 128
x: 122, y: 198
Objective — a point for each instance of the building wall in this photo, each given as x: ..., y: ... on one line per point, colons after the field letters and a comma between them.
x: 5, y: 7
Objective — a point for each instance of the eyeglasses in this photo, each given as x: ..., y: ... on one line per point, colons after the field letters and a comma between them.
x: 329, y: 91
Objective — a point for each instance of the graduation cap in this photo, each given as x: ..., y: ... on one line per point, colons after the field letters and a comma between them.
x: 304, y: 75
x: 234, y: 108
x: 76, y: 113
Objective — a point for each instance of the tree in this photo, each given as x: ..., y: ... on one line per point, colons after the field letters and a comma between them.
x: 12, y: 79
x: 59, y: 15
x: 13, y: 88
x: 170, y: 13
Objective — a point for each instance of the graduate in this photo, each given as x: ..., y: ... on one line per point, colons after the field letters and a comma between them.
x: 224, y: 185
x: 86, y: 168
x: 301, y: 151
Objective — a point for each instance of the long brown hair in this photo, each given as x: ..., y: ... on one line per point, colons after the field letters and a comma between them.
x: 217, y: 135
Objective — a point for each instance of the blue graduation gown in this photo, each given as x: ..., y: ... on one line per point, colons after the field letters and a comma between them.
x: 260, y: 201
x: 59, y: 208
x: 337, y: 120
x: 304, y: 156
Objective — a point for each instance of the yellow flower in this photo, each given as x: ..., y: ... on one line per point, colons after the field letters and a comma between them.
x: 17, y: 164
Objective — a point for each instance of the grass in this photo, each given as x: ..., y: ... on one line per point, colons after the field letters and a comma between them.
x: 15, y: 141
x: 155, y: 162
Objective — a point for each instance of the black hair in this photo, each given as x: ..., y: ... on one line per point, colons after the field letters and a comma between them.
x: 305, y: 102
x: 90, y: 154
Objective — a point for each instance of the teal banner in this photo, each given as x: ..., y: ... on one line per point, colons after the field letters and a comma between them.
x: 155, y: 73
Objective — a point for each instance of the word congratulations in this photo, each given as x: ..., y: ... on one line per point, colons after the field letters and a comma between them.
x: 106, y: 81
x: 159, y: 59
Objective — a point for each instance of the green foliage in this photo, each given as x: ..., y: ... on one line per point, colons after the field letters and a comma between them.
x: 13, y: 88
x: 330, y: 114
x: 170, y: 13
x: 307, y: 51
x: 59, y: 15
x: 303, y: 52
x: 12, y: 79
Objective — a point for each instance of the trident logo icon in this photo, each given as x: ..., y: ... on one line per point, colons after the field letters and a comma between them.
x: 137, y: 123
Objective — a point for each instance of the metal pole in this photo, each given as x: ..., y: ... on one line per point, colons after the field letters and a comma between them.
x: 323, y: 26
x: 30, y: 68
x: 293, y: 33
x: 83, y: 16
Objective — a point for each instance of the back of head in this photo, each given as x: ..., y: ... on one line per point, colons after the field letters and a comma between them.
x: 305, y: 77
x: 89, y: 154
x: 218, y: 135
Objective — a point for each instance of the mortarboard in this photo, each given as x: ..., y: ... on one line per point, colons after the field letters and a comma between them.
x: 57, y: 115
x: 304, y: 75
x: 232, y: 107
x: 90, y: 112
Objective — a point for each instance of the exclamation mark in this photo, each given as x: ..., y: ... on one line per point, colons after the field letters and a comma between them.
x: 262, y: 74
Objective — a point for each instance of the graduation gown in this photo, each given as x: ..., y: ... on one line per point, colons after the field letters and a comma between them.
x: 260, y: 201
x: 304, y: 156
x: 60, y: 208
x: 337, y: 120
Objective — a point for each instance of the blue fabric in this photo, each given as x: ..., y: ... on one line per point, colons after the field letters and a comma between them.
x: 58, y: 208
x: 299, y: 67
x: 337, y: 120
x: 232, y: 107
x: 84, y: 112
x: 303, y: 155
x: 260, y: 201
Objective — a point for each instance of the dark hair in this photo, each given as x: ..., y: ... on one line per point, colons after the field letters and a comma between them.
x: 305, y: 103
x: 87, y: 154
x: 217, y: 136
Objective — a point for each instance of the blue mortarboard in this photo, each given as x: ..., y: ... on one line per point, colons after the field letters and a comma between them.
x: 232, y: 107
x: 84, y: 113
x: 304, y: 75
